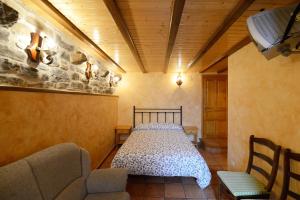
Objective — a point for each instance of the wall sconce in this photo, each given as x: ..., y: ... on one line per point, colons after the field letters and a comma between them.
x: 105, y: 74
x: 88, y: 71
x: 46, y: 56
x: 114, y: 80
x: 33, y: 49
x: 179, y: 80
x: 38, y: 48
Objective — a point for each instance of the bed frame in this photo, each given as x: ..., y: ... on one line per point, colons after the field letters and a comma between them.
x: 157, y: 111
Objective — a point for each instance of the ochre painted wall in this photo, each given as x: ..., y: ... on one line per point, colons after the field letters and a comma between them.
x: 264, y: 100
x: 159, y: 90
x: 31, y: 121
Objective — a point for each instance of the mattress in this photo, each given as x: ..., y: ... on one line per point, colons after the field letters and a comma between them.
x: 162, y: 153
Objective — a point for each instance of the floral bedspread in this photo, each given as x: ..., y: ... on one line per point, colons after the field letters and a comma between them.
x: 162, y: 153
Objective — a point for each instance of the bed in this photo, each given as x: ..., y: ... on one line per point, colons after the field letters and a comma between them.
x: 161, y: 149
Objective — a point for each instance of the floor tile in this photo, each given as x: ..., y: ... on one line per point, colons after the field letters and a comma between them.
x: 154, y: 190
x: 210, y: 193
x: 136, y: 179
x: 135, y: 189
x: 154, y: 179
x: 197, y: 199
x: 193, y: 191
x: 136, y: 198
x: 174, y: 179
x: 174, y: 190
x: 188, y: 180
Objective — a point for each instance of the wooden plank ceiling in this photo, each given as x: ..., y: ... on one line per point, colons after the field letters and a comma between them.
x: 94, y: 19
x: 235, y: 34
x: 166, y: 35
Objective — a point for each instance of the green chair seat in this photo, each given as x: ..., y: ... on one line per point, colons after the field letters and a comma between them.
x: 242, y: 184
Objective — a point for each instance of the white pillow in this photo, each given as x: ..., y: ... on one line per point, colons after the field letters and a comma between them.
x: 158, y: 126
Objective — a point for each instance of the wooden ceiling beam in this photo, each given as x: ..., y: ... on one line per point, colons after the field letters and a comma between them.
x: 233, y: 49
x: 222, y: 70
x: 119, y: 20
x: 236, y: 12
x: 76, y: 31
x: 216, y: 63
x: 177, y: 10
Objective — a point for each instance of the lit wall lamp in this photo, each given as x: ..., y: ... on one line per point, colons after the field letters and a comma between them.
x: 39, y: 48
x: 33, y: 49
x: 88, y: 71
x: 114, y: 80
x: 179, y: 80
x: 46, y: 51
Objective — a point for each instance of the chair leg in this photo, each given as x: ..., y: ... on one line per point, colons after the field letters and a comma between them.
x: 220, y: 191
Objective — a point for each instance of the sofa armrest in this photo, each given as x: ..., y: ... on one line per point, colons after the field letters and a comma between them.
x: 107, y: 180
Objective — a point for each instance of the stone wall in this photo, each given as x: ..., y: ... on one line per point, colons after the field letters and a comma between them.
x: 17, y: 70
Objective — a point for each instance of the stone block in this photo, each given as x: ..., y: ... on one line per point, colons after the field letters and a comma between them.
x: 54, y: 63
x: 59, y: 75
x: 4, y: 34
x: 8, y: 67
x: 64, y: 65
x: 78, y: 58
x: 45, y: 77
x: 61, y: 85
x: 80, y: 70
x: 35, y: 84
x: 29, y: 72
x: 8, y: 15
x: 75, y: 76
x: 63, y: 44
x: 42, y: 67
x: 94, y: 83
x: 109, y: 90
x: 12, y: 54
x: 95, y: 90
x: 48, y: 84
x: 13, y: 81
x: 77, y: 85
x: 65, y: 56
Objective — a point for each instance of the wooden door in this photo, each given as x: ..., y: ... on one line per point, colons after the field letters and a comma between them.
x: 215, y: 108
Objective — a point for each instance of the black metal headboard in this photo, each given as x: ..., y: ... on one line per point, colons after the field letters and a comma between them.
x: 149, y: 112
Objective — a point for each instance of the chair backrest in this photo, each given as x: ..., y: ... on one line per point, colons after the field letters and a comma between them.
x: 288, y: 174
x: 270, y: 176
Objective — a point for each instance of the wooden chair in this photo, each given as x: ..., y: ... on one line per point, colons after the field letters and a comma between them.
x: 288, y: 174
x: 242, y: 185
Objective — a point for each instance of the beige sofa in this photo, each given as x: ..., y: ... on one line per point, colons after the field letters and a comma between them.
x: 61, y: 172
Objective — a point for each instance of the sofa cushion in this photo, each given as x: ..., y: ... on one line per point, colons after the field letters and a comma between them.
x: 107, y: 180
x: 85, y: 163
x: 109, y: 196
x: 74, y: 191
x: 17, y: 182
x: 55, y: 168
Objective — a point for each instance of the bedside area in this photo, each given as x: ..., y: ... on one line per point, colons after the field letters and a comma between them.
x: 122, y: 130
x: 191, y: 130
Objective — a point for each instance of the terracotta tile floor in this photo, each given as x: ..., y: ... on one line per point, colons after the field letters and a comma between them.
x: 175, y: 188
